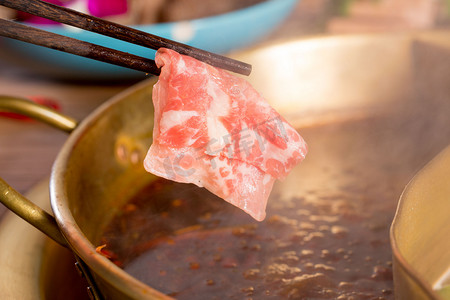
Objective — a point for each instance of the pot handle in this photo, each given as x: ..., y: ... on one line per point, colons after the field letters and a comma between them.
x: 23, y: 207
x: 30, y: 212
x: 12, y: 199
x: 38, y: 112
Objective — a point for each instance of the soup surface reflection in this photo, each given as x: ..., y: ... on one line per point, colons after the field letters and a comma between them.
x: 326, y: 234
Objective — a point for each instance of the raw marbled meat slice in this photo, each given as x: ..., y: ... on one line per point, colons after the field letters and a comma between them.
x: 214, y: 130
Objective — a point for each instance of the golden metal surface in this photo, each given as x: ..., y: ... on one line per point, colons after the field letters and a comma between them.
x: 30, y: 212
x: 420, y: 233
x: 24, y: 208
x: 95, y: 174
x: 38, y: 112
x: 22, y: 252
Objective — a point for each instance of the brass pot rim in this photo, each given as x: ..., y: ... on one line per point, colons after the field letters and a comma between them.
x: 397, y: 255
x: 77, y: 240
x: 402, y: 213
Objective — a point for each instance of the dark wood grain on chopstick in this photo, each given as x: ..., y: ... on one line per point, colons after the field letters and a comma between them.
x: 104, y: 27
x: 66, y: 44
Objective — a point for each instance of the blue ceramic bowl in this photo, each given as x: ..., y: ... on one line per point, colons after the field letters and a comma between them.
x: 220, y: 34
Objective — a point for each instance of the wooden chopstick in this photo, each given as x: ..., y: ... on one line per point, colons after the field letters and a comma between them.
x: 114, y: 30
x: 70, y: 45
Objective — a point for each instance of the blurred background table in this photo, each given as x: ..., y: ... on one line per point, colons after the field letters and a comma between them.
x: 28, y: 149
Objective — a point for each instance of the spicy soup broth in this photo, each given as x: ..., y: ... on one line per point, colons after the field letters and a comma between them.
x: 326, y: 234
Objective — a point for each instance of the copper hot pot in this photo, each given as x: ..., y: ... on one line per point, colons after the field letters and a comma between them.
x: 310, y: 82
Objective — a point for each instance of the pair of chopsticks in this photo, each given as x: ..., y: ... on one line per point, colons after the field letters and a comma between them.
x: 74, y: 18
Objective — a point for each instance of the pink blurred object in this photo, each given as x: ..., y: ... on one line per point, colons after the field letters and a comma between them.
x: 29, y: 18
x: 105, y: 8
x: 98, y: 8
